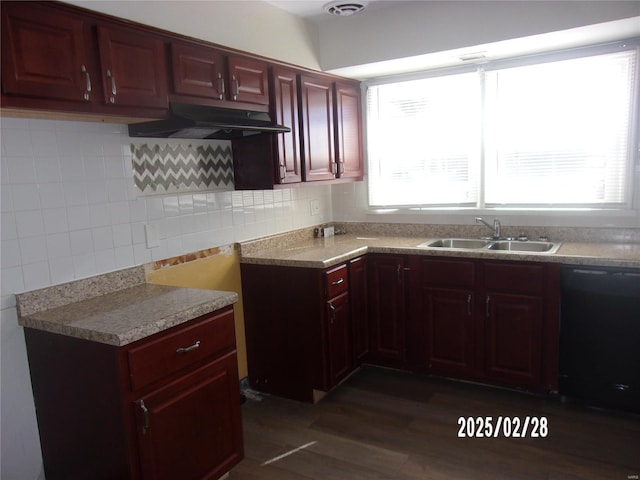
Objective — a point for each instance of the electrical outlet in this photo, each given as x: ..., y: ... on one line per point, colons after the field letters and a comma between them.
x: 314, y: 206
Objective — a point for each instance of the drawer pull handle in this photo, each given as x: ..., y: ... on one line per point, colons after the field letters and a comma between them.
x: 338, y: 282
x: 188, y: 349
x: 87, y: 79
x: 145, y: 414
x: 221, y: 87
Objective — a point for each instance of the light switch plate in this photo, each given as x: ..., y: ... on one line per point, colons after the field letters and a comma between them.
x: 314, y: 206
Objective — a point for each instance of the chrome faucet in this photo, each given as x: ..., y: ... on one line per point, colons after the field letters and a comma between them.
x: 496, y: 228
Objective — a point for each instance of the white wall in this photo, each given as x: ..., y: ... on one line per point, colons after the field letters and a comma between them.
x: 423, y: 27
x: 248, y: 25
x: 70, y: 211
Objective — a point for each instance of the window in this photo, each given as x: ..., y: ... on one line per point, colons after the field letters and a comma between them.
x: 552, y: 132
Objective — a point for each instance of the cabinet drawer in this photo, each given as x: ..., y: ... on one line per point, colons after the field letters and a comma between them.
x: 336, y: 281
x: 205, y: 337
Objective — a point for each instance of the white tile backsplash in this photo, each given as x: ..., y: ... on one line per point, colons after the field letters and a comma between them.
x: 70, y: 211
x: 70, y: 207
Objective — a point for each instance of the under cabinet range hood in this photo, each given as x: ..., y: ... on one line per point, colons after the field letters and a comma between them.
x: 205, y: 122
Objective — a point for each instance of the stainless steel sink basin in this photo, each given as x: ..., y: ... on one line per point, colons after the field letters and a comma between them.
x: 466, y: 243
x: 506, y: 246
x: 516, y: 246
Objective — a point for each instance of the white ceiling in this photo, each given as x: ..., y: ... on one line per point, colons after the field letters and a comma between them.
x: 313, y: 10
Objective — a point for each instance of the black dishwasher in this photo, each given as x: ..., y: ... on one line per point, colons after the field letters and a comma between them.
x: 600, y: 336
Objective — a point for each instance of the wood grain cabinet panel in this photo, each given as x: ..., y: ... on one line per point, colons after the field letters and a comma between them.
x: 147, y: 410
x: 491, y: 321
x: 316, y: 111
x: 45, y: 54
x: 189, y: 428
x: 298, y: 329
x: 387, y: 309
x: 348, y: 119
x: 197, y: 71
x: 248, y: 80
x: 63, y: 59
x: 271, y: 161
x: 133, y: 67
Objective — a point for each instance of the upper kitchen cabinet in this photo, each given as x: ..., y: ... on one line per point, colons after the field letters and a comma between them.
x: 317, y: 128
x: 215, y: 75
x: 57, y: 58
x: 267, y: 161
x: 45, y: 54
x: 133, y: 68
x: 348, y: 118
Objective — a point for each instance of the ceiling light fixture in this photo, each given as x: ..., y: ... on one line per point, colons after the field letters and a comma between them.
x: 344, y: 9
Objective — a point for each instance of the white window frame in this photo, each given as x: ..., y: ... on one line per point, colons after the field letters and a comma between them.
x: 631, y: 209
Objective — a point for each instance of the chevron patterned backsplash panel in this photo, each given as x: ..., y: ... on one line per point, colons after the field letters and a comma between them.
x: 180, y: 168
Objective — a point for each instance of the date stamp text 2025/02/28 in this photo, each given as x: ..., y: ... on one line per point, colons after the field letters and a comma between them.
x: 508, y: 427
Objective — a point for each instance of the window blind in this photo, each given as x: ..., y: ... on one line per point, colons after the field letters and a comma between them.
x: 554, y: 133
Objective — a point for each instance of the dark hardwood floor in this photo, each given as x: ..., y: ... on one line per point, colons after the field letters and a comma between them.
x: 383, y: 424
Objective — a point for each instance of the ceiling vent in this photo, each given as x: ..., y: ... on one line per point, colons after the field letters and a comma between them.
x: 344, y: 9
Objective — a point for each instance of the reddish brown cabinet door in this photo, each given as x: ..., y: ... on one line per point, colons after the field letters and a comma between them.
x: 248, y: 80
x: 446, y: 315
x: 285, y: 109
x: 191, y: 429
x: 387, y: 309
x: 513, y: 335
x: 197, y: 71
x: 339, y: 338
x: 348, y: 116
x: 514, y: 322
x: 316, y: 109
x: 359, y: 319
x: 133, y: 68
x: 449, y: 319
x: 44, y: 53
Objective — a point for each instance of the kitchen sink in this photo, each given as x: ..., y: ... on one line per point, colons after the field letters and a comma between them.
x: 506, y: 246
x: 516, y: 246
x: 466, y: 243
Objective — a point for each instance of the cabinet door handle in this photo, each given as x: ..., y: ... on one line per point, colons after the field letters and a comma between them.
x: 236, y: 84
x: 145, y: 416
x: 469, y: 304
x: 399, y: 272
x: 333, y: 312
x: 114, y: 91
x: 87, y: 82
x: 221, y: 86
x: 487, y: 302
x: 338, y: 282
x: 189, y: 348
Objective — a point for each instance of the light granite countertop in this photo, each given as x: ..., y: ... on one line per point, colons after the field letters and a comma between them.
x: 326, y: 252
x: 124, y: 316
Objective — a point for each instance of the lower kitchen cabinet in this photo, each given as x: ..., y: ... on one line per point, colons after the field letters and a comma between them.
x: 495, y: 322
x: 387, y: 309
x: 521, y: 323
x: 358, y: 293
x: 164, y: 407
x: 445, y: 305
x: 188, y: 425
x: 339, y: 344
x: 298, y: 329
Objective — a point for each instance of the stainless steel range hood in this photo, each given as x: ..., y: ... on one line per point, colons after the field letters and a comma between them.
x: 199, y: 121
